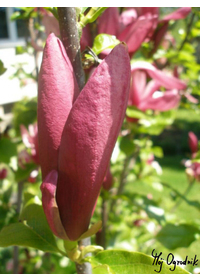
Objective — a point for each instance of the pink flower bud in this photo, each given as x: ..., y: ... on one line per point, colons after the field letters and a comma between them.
x: 77, y: 133
x: 193, y: 142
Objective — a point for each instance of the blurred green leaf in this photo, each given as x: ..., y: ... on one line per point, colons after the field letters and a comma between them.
x: 104, y: 41
x: 24, y: 112
x: 124, y: 262
x: 127, y: 146
x: 174, y: 236
x: 8, y: 149
x: 133, y: 112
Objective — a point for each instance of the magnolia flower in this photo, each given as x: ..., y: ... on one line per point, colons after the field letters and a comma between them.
x: 146, y: 95
x: 127, y: 27
x: 137, y: 25
x: 77, y: 133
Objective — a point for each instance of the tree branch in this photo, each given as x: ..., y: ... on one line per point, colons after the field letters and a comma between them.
x: 71, y: 42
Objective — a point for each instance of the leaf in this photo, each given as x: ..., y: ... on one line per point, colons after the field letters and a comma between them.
x: 7, y: 150
x: 92, y: 230
x: 174, y: 236
x: 124, y: 262
x: 21, y: 235
x: 32, y: 232
x: 2, y: 68
x: 102, y: 269
x: 92, y: 15
x: 133, y: 112
x: 127, y: 146
x: 104, y: 41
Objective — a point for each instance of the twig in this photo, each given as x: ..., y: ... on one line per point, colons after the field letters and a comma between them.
x: 122, y: 181
x: 184, y: 195
x: 71, y: 42
x: 84, y: 268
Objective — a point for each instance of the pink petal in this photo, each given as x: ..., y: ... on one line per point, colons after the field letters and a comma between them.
x: 178, y: 14
x: 49, y: 204
x: 135, y: 33
x: 151, y: 87
x: 26, y: 137
x: 126, y: 18
x: 108, y: 22
x: 57, y: 89
x: 168, y: 101
x: 193, y: 142
x: 165, y: 80
x: 88, y: 139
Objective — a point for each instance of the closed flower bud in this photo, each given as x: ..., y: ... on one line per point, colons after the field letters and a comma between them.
x: 77, y: 133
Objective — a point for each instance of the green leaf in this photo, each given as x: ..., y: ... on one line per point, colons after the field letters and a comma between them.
x: 174, y: 236
x: 133, y: 112
x: 20, y: 50
x: 124, y: 262
x: 33, y: 232
x: 102, y: 269
x: 21, y: 235
x: 104, y: 41
x: 92, y: 15
x: 2, y: 68
x: 7, y: 150
x: 157, y: 151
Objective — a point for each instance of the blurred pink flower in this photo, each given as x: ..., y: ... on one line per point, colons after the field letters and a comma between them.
x: 127, y: 26
x: 30, y: 140
x: 146, y: 95
x: 136, y: 25
x: 192, y: 169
